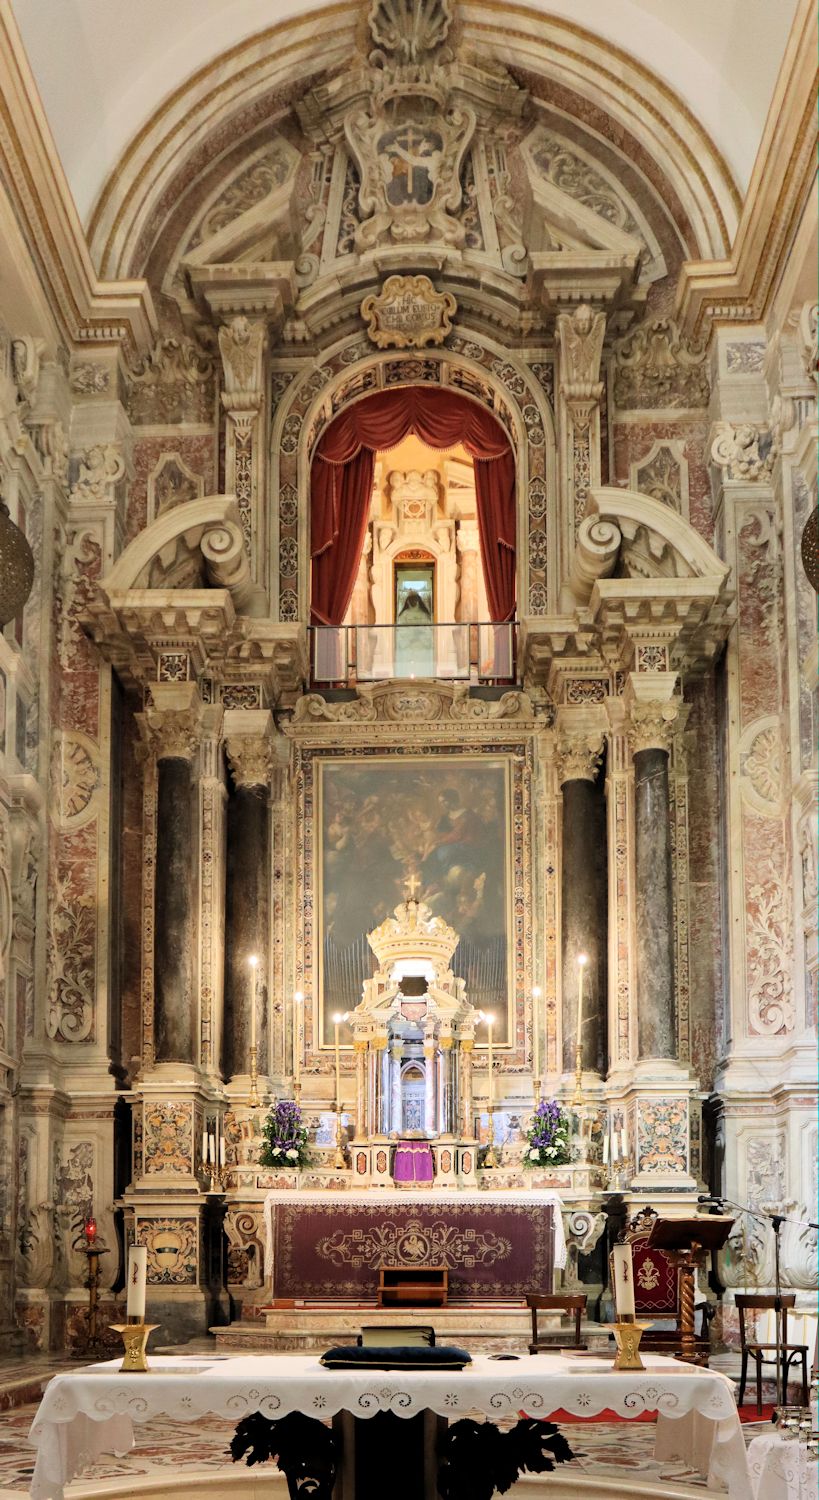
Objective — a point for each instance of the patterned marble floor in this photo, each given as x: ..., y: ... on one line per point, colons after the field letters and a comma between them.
x: 601, y: 1449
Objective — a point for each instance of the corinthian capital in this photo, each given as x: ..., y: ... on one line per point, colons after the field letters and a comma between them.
x: 652, y: 724
x: 250, y: 757
x: 579, y: 756
x: 171, y: 723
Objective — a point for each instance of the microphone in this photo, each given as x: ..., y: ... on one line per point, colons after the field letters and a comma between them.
x: 708, y: 1198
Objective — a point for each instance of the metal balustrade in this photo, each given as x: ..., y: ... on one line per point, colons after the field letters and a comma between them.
x: 343, y: 655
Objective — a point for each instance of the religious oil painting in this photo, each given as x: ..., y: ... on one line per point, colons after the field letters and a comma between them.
x: 400, y: 825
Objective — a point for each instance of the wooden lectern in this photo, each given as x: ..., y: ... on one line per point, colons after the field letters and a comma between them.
x: 686, y: 1242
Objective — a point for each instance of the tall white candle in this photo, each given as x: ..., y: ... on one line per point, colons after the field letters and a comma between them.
x: 536, y: 992
x: 212, y: 1150
x: 623, y: 1281
x: 582, y: 960
x: 297, y: 999
x: 221, y: 1151
x: 137, y: 1280
x: 606, y: 1149
x: 624, y: 1140
x: 254, y: 964
x: 490, y: 1021
x: 204, y: 1148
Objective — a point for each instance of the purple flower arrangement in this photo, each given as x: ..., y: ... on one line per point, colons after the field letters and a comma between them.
x: 285, y: 1137
x: 547, y: 1137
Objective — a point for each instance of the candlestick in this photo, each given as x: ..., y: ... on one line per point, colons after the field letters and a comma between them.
x: 254, y: 964
x: 137, y: 1280
x: 623, y: 1282
x: 222, y: 1156
x: 536, y: 993
x: 297, y: 999
x: 582, y: 960
x: 624, y: 1140
x: 338, y: 1161
x: 490, y: 1020
x: 490, y: 1159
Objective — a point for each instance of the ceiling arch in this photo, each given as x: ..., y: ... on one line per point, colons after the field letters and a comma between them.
x: 720, y: 60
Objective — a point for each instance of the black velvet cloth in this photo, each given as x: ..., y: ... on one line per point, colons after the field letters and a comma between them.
x: 398, y: 1357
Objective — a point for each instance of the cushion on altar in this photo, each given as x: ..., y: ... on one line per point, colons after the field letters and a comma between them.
x: 395, y: 1357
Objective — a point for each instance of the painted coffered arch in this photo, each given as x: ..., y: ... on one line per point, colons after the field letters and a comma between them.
x: 617, y: 120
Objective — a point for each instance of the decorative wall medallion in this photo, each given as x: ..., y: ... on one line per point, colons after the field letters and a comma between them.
x: 171, y: 1250
x: 74, y: 777
x: 760, y: 759
x: 408, y: 313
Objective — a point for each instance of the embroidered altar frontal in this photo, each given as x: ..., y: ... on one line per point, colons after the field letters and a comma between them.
x: 334, y: 1250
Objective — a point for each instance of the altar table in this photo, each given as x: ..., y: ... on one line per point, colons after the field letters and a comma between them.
x: 781, y: 1469
x: 85, y: 1413
x: 330, y: 1246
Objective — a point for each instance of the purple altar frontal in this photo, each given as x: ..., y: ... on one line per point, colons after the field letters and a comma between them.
x: 322, y: 1245
x: 412, y: 1162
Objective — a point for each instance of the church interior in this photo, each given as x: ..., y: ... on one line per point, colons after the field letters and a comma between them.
x: 408, y: 763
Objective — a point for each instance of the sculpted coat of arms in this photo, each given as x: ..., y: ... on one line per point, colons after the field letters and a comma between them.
x: 408, y: 313
x: 409, y: 154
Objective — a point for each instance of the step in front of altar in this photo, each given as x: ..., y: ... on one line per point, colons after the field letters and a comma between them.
x: 480, y: 1329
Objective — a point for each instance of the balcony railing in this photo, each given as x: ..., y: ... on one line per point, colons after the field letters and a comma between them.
x: 346, y: 654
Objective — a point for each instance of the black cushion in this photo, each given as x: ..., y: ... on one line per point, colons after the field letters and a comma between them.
x: 396, y: 1357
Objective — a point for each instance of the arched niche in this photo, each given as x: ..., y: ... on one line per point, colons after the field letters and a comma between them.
x: 306, y: 400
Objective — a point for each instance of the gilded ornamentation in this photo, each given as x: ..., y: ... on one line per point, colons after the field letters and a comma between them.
x: 167, y: 1138
x: 408, y: 313
x: 172, y: 1250
x: 744, y: 451
x: 656, y: 366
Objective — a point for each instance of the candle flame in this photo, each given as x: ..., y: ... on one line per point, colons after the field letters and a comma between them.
x: 536, y: 992
x: 337, y: 1018
x: 253, y: 960
x: 582, y: 959
x: 298, y: 997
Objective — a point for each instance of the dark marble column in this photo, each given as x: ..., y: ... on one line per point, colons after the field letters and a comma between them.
x: 654, y: 952
x: 171, y: 726
x: 584, y: 901
x: 247, y: 903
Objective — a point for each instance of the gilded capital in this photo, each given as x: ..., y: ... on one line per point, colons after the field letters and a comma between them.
x: 579, y: 756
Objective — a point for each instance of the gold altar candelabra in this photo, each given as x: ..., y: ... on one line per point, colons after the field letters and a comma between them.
x: 490, y: 1159
x: 577, y: 1098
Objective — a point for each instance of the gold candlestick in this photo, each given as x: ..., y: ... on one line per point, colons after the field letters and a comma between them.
x: 135, y: 1338
x: 490, y: 1159
x: 582, y: 960
x: 253, y: 1099
x: 627, y: 1336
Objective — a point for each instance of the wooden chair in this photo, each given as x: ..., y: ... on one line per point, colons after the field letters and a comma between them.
x: 756, y: 1349
x: 574, y: 1303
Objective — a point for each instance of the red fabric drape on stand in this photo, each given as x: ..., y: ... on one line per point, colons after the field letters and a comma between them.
x: 341, y: 489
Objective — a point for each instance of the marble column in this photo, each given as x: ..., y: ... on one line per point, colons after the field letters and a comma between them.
x: 247, y: 891
x: 584, y: 899
x: 429, y: 1087
x: 360, y: 1048
x: 173, y: 725
x: 394, y: 1122
x: 656, y: 1009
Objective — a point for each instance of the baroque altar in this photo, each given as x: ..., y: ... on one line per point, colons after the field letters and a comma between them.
x: 413, y: 1035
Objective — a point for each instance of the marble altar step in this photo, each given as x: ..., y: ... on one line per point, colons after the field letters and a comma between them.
x: 482, y: 1328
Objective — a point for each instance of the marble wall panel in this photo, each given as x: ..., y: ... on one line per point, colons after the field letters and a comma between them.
x: 705, y: 881
x: 632, y: 442
x: 197, y: 452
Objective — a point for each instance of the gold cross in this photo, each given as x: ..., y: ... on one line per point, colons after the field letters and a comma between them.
x: 412, y: 885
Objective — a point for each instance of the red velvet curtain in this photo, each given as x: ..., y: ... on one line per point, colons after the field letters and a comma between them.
x: 341, y: 489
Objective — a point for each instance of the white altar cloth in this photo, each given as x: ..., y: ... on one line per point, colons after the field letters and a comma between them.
x: 91, y: 1411
x: 781, y: 1469
x: 396, y: 1198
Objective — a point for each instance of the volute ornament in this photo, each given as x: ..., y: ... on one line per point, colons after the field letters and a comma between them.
x: 744, y: 451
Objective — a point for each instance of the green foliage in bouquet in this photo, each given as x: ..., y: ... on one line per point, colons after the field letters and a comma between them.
x: 548, y: 1137
x: 285, y: 1137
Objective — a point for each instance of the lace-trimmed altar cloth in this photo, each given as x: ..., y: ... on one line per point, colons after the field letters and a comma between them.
x: 781, y: 1469
x: 91, y: 1411
x: 338, y: 1209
